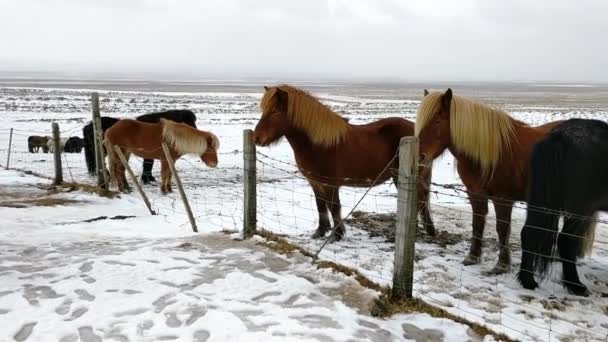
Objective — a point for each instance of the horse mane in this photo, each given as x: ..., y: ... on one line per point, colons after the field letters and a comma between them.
x: 185, y: 139
x: 482, y: 133
x: 322, y: 125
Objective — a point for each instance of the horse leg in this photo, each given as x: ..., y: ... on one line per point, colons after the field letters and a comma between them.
x: 423, y: 191
x: 525, y: 276
x: 324, y: 225
x: 165, y: 174
x: 123, y: 173
x: 424, y: 202
x: 480, y: 210
x: 569, y: 244
x: 146, y: 175
x: 336, y: 214
x: 503, y: 229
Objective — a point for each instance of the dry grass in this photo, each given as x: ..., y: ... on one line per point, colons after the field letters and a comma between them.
x: 384, y: 305
x: 37, y: 202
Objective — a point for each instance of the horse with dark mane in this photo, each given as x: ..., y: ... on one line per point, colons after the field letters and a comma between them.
x: 491, y: 150
x: 568, y: 171
x: 35, y: 142
x: 73, y: 145
x: 145, y: 140
x: 330, y: 152
x: 184, y: 116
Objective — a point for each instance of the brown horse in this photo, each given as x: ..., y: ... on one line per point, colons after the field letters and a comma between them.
x: 145, y: 140
x: 492, y: 151
x: 35, y: 142
x: 330, y: 152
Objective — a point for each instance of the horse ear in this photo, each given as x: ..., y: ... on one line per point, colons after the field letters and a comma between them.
x: 281, y: 97
x: 446, y: 99
x: 426, y: 92
x: 266, y: 88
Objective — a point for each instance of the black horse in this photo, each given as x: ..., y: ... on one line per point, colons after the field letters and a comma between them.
x: 567, y: 178
x: 73, y: 145
x: 184, y: 116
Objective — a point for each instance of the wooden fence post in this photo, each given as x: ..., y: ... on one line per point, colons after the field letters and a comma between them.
x: 10, y: 144
x: 249, y: 179
x: 179, y: 186
x: 102, y: 177
x: 405, y: 234
x: 57, y: 154
x: 125, y: 162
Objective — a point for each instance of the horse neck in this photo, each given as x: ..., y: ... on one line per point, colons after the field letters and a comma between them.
x: 300, y: 142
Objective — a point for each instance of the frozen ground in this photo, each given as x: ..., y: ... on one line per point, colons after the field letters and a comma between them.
x: 286, y: 205
x: 67, y: 277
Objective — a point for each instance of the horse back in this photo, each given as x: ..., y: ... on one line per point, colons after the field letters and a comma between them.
x: 177, y: 115
x: 390, y: 128
x: 133, y: 133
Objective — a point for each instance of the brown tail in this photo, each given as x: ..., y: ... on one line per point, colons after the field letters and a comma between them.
x: 112, y: 162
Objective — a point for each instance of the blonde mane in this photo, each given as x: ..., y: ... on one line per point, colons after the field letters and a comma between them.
x: 323, y: 126
x: 185, y: 139
x: 480, y: 132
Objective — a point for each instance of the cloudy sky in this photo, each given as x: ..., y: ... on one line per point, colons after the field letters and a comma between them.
x: 560, y: 40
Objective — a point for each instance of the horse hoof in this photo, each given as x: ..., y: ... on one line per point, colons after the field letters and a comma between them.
x: 334, y: 237
x: 319, y: 233
x: 578, y: 290
x: 527, y: 281
x: 471, y: 260
x: 500, y: 268
x: 430, y: 230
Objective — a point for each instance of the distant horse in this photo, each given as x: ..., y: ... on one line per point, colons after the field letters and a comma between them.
x: 145, y: 140
x: 73, y: 145
x: 568, y: 171
x: 35, y: 142
x: 491, y: 150
x: 51, y: 144
x: 184, y: 116
x: 330, y: 152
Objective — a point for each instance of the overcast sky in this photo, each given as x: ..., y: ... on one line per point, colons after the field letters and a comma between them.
x: 560, y: 40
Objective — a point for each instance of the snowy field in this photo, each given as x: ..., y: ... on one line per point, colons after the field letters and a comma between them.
x: 286, y: 205
x: 68, y: 277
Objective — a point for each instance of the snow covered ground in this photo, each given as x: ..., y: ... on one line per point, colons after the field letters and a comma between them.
x: 286, y: 204
x: 67, y: 277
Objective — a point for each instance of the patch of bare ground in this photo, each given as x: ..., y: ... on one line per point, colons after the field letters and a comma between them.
x: 383, y: 225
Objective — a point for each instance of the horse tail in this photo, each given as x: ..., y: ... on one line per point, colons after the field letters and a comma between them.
x: 545, y: 200
x: 588, y: 238
x: 30, y: 144
x: 89, y: 153
x: 112, y: 161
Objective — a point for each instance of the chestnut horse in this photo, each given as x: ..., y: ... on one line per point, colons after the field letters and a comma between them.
x: 491, y: 150
x: 330, y: 152
x: 35, y: 142
x: 145, y: 140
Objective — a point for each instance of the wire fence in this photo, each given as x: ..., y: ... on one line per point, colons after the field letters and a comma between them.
x: 286, y: 205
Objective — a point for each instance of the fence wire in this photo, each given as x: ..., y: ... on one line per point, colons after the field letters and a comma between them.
x: 286, y: 205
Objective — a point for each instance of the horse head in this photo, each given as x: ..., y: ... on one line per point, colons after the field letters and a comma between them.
x: 273, y: 124
x: 433, y: 125
x: 209, y: 157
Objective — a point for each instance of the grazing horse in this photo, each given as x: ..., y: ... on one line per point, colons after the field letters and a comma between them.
x: 330, y: 152
x: 491, y: 150
x: 35, y: 142
x: 568, y: 171
x: 145, y: 140
x: 184, y: 116
x: 51, y: 144
x: 73, y: 145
